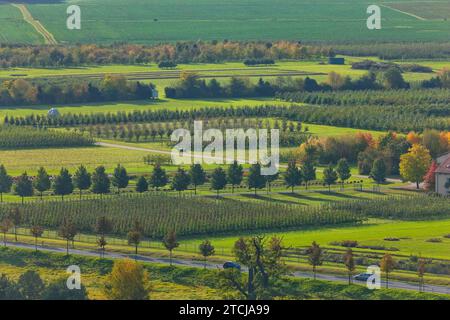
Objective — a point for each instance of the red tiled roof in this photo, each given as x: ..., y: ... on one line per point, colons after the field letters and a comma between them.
x: 444, y: 167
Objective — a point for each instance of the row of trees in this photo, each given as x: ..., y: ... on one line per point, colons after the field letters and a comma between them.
x: 100, y: 182
x: 191, y: 86
x: 64, y: 183
x: 396, y: 51
x: 30, y: 138
x: 180, y: 52
x: 403, y: 118
x: 263, y: 259
x: 432, y: 98
x: 129, y: 280
x: 110, y: 88
x: 291, y: 134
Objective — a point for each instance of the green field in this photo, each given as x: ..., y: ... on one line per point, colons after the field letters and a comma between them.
x: 113, y: 107
x: 316, y: 69
x: 412, y: 234
x: 14, y: 28
x: 151, y: 21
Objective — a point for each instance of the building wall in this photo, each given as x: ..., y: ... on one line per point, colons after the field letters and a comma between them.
x: 441, y: 180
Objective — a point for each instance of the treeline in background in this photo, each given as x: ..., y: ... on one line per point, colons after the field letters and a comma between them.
x: 181, y: 52
x: 110, y: 88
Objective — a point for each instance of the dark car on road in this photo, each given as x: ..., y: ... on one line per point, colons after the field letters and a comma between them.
x: 231, y: 265
x: 363, y: 276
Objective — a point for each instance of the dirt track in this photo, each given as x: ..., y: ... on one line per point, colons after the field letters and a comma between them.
x: 37, y: 25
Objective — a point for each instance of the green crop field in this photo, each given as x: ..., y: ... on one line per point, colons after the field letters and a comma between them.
x: 14, y: 28
x: 150, y: 21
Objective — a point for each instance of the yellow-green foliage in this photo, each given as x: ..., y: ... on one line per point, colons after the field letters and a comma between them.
x: 31, y: 138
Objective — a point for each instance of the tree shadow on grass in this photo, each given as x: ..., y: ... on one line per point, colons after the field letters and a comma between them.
x: 337, y: 194
x: 269, y: 199
x: 304, y: 197
x: 381, y: 193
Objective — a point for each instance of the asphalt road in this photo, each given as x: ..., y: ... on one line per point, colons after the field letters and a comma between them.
x: 200, y: 264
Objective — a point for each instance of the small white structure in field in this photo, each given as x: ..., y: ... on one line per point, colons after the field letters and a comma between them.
x: 443, y: 175
x: 53, y: 113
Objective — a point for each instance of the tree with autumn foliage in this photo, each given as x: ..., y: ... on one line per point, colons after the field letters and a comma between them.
x: 349, y: 262
x: 430, y: 177
x: 415, y: 164
x: 262, y: 258
x: 128, y: 280
x: 413, y: 138
x: 387, y: 266
x: 315, y: 257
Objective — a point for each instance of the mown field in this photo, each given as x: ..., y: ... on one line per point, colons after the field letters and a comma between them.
x: 412, y: 235
x: 152, y: 21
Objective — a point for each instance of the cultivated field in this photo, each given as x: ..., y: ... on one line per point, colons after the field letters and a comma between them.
x: 143, y: 21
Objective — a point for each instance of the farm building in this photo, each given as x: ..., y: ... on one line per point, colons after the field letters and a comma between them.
x: 443, y: 175
x: 338, y: 61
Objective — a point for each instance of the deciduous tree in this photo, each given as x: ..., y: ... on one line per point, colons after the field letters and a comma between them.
x: 315, y: 257
x: 5, y: 182
x: 262, y: 257
x: 170, y: 243
x: 349, y: 262
x: 387, y: 266
x: 329, y: 176
x: 68, y: 230
x: 36, y: 231
x: 415, y: 164
x: 206, y: 250
x: 128, y: 280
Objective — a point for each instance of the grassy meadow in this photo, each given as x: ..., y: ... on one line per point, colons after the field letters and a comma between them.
x: 412, y: 235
